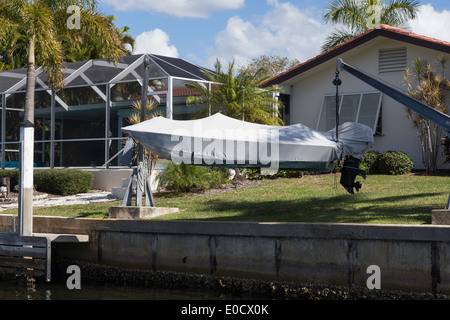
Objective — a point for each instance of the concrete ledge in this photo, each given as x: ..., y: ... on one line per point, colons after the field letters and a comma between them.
x: 139, y: 212
x: 413, y: 258
x: 440, y: 217
x: 65, y: 238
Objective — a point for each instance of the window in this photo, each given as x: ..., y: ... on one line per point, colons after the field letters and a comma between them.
x: 362, y: 108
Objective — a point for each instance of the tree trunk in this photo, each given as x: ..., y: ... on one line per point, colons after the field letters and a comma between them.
x: 31, y: 81
x: 27, y: 151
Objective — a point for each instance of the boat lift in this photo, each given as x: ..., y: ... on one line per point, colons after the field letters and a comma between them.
x: 439, y: 118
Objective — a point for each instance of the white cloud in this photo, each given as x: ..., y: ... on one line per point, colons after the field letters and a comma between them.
x: 285, y: 30
x: 156, y: 42
x: 178, y: 8
x: 432, y: 23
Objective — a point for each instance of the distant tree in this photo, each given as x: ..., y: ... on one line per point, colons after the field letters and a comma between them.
x: 269, y: 66
x: 358, y: 16
x: 237, y: 96
x: 429, y: 87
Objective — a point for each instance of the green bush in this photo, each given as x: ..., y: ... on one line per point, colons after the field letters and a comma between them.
x: 58, y: 181
x: 63, y: 181
x: 390, y: 162
x: 369, y: 160
x: 393, y: 163
x: 184, y: 178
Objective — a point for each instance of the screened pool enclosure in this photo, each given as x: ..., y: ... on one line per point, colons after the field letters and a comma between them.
x: 80, y: 126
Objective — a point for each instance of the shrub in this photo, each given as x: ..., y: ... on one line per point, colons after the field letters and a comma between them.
x: 63, y: 181
x: 290, y: 174
x: 393, y: 163
x: 369, y: 160
x: 390, y: 162
x: 58, y: 181
x: 184, y: 178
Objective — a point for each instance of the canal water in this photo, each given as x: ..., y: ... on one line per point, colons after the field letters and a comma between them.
x: 12, y: 290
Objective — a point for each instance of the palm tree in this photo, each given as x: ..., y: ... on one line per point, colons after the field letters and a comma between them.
x: 429, y: 87
x: 358, y: 16
x: 44, y: 23
x: 237, y: 96
x: 41, y: 22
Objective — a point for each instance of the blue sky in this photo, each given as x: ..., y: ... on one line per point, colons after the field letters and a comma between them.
x: 201, y: 31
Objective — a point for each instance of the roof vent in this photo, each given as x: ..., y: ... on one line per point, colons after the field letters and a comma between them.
x: 392, y: 60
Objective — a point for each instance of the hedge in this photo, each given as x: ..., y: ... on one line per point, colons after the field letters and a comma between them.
x: 58, y: 181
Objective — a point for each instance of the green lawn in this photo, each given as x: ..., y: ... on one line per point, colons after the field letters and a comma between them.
x: 405, y: 199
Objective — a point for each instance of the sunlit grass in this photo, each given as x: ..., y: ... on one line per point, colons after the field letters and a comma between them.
x: 405, y: 199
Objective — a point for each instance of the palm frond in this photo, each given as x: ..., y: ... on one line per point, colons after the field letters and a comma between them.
x: 398, y: 12
x: 360, y: 15
x: 336, y: 38
x: 347, y: 12
x: 94, y: 24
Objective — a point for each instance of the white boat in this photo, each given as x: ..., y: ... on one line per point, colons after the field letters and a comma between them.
x: 222, y: 141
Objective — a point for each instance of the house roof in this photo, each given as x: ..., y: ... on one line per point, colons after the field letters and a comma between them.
x: 101, y: 71
x: 380, y: 31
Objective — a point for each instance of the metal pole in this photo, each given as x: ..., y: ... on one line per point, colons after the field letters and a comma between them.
x: 20, y: 199
x: 139, y: 177
x: 209, y: 100
x: 26, y: 178
x: 169, y: 99
x: 144, y: 101
x: 337, y: 82
x: 107, y: 124
x: 3, y: 131
x: 52, y: 131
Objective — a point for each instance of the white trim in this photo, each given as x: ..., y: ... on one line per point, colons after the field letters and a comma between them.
x: 127, y: 70
x: 21, y: 83
x: 93, y: 86
x: 58, y: 99
x: 77, y: 72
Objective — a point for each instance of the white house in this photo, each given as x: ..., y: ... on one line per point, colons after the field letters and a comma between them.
x: 384, y: 52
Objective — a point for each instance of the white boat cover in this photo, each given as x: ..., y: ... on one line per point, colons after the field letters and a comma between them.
x: 219, y: 140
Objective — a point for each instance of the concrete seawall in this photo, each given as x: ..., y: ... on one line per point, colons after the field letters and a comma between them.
x: 411, y: 258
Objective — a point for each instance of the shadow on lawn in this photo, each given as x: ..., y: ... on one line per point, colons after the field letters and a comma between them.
x: 337, y: 209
